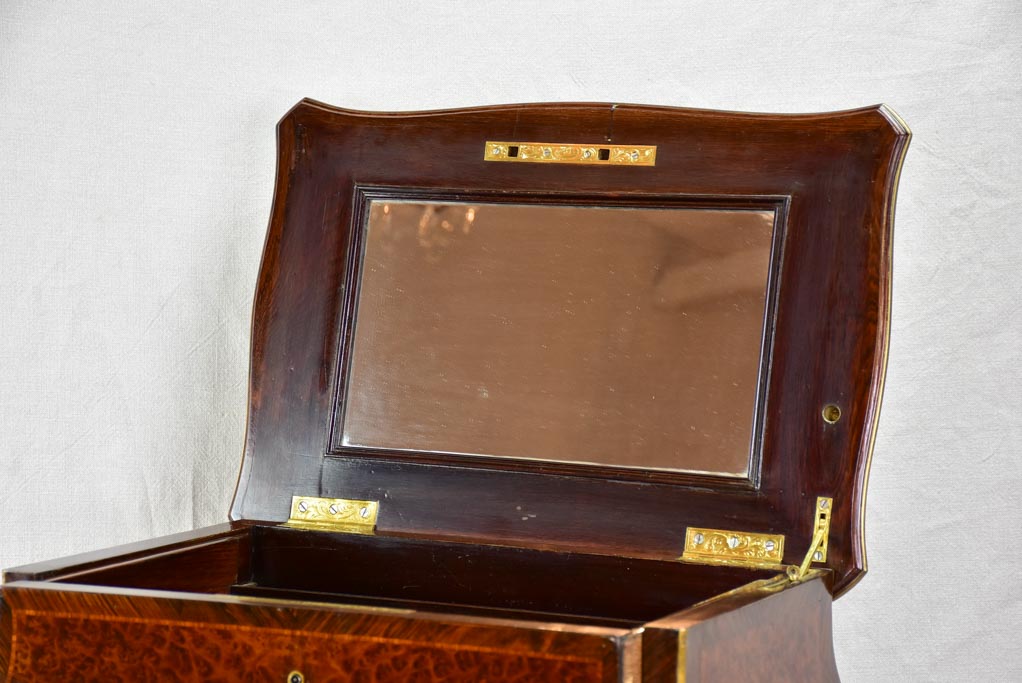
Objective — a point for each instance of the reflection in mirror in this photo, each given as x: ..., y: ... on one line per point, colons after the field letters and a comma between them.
x: 618, y: 336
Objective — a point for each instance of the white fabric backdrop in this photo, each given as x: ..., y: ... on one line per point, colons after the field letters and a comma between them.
x: 136, y: 170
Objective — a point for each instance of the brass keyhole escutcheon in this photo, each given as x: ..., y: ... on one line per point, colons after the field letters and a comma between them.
x: 295, y: 677
x: 831, y: 413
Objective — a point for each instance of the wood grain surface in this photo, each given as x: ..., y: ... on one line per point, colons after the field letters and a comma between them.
x: 835, y: 176
x: 130, y: 637
x: 757, y: 634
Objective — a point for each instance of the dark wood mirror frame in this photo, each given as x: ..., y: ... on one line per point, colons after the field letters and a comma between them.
x: 448, y: 582
x: 832, y: 178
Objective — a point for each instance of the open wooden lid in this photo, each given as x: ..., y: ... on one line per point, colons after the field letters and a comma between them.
x: 624, y: 329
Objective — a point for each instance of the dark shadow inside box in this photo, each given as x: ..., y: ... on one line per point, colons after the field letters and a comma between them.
x: 419, y: 574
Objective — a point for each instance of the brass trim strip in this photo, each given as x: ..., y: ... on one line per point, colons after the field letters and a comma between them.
x: 570, y: 153
x: 899, y: 163
x: 682, y: 655
x: 333, y: 514
x: 734, y: 548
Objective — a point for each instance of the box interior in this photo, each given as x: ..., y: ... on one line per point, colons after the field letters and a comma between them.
x: 426, y: 575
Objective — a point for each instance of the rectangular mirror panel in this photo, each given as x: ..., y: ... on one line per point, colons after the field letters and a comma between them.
x: 617, y: 336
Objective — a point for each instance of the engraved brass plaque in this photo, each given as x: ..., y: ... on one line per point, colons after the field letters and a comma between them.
x: 562, y: 153
x: 333, y: 514
x: 737, y: 548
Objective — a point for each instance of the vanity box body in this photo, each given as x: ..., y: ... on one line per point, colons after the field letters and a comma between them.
x: 575, y: 392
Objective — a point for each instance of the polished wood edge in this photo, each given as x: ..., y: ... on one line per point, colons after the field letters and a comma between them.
x: 727, y: 602
x: 122, y: 553
x: 285, y: 133
x: 897, y: 150
x: 861, y: 485
x: 214, y: 566
x: 136, y: 603
x: 766, y: 631
x: 312, y: 104
x: 629, y: 657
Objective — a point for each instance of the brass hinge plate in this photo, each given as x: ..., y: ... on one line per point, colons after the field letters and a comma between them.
x: 757, y: 550
x: 822, y: 527
x: 733, y: 548
x: 339, y: 515
x: 570, y: 153
x: 818, y: 545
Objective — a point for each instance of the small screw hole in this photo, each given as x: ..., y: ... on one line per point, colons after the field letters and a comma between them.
x: 295, y: 677
x: 831, y: 413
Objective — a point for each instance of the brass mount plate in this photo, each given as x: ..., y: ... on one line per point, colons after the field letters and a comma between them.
x: 333, y: 514
x: 821, y: 527
x: 735, y: 548
x: 570, y: 153
x: 818, y: 545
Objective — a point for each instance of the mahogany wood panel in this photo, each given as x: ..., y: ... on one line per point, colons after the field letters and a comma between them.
x: 758, y: 635
x: 5, y: 633
x: 113, y: 637
x: 348, y: 599
x: 211, y: 567
x: 116, y: 649
x: 836, y: 175
x: 104, y: 560
x: 400, y: 571
x: 485, y: 576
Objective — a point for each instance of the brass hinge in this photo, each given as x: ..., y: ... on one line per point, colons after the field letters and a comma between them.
x: 818, y: 545
x: 733, y: 548
x: 758, y: 550
x: 338, y: 515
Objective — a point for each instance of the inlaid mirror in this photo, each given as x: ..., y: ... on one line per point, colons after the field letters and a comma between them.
x: 620, y: 336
